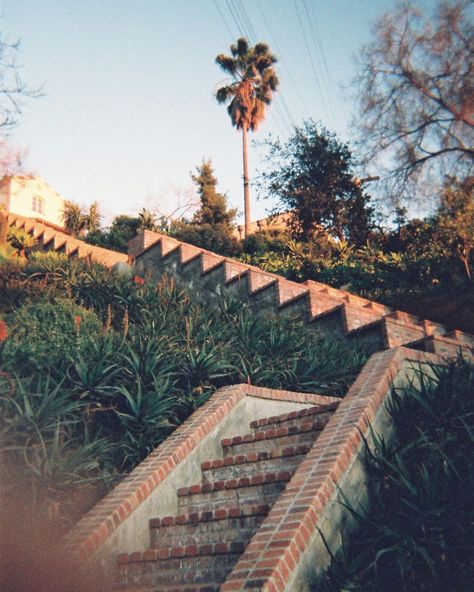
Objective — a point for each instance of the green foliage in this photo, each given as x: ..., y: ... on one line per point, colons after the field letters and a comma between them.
x: 418, y: 534
x: 254, y: 81
x: 455, y: 219
x: 214, y: 209
x: 20, y: 240
x: 212, y: 225
x: 47, y: 333
x: 312, y: 176
x: 79, y: 221
x: 98, y: 369
x: 216, y: 238
x: 116, y: 237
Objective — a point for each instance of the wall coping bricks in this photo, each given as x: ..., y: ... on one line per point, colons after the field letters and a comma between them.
x: 95, y: 528
x: 271, y: 561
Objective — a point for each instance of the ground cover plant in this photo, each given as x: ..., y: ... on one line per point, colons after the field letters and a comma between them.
x: 418, y: 535
x: 97, y: 368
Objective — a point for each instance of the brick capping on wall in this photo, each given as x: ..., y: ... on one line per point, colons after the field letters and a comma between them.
x: 272, y: 559
x: 112, y: 511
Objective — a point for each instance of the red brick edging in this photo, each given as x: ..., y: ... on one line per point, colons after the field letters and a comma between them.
x: 271, y: 558
x: 112, y: 511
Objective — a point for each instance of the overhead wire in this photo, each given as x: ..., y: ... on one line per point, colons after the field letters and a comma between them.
x: 226, y: 24
x: 281, y: 57
x: 310, y: 56
x: 326, y: 75
x: 279, y: 101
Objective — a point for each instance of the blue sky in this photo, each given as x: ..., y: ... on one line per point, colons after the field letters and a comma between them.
x: 128, y: 108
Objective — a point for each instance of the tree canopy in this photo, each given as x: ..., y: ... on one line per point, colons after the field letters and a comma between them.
x: 214, y: 209
x: 312, y: 176
x: 212, y: 225
x: 416, y: 96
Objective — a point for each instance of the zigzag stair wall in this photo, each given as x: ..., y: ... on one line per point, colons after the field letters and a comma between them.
x: 328, y: 309
x: 50, y: 238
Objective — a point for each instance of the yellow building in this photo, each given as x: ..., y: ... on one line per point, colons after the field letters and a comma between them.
x: 30, y: 196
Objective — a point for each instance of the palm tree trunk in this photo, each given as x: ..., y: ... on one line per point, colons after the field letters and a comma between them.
x: 246, y: 181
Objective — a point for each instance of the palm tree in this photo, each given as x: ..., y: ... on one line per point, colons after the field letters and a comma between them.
x: 73, y: 217
x: 147, y: 220
x: 253, y: 82
x: 78, y: 221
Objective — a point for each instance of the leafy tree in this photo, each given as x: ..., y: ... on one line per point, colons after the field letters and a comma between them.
x: 116, y: 237
x: 416, y: 95
x: 456, y: 220
x: 311, y: 174
x: 253, y: 82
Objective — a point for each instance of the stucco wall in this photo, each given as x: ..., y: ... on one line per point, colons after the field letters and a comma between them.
x: 21, y: 191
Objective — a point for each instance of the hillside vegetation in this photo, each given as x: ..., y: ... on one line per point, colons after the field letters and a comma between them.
x: 98, y: 368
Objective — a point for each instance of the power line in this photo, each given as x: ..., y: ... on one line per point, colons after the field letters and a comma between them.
x: 283, y: 109
x: 316, y: 78
x: 327, y: 80
x: 281, y: 57
x: 229, y: 30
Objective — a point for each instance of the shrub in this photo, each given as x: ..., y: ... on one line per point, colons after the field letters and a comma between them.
x: 417, y: 535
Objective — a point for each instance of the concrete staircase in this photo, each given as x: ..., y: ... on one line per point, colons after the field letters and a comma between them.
x: 196, y: 550
x: 329, y: 310
x: 52, y: 238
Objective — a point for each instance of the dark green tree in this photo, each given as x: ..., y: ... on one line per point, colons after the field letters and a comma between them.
x: 311, y: 174
x: 117, y: 235
x: 250, y: 90
x: 212, y: 225
x: 214, y: 208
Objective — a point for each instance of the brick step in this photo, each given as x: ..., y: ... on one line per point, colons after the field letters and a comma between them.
x: 175, y: 588
x: 304, y: 433
x: 254, y: 490
x: 294, y: 417
x: 245, y: 465
x: 225, y: 524
x: 193, y: 564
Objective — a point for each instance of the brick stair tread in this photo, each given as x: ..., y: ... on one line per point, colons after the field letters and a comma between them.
x: 210, y: 587
x: 274, y: 433
x: 164, y: 554
x: 310, y: 411
x: 211, y: 515
x: 255, y: 457
x: 254, y: 480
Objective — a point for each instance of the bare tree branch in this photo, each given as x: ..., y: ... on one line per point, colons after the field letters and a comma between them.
x: 416, y: 96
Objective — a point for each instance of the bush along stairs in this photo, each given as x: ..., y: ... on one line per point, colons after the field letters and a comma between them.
x: 196, y: 549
